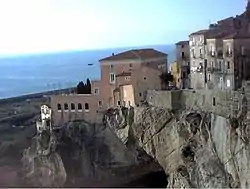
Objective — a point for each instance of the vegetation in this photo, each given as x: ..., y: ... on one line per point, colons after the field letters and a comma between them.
x: 166, y: 78
x: 83, y: 88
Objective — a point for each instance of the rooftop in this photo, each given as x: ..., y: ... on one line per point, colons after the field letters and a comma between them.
x: 182, y: 43
x: 136, y: 54
x: 238, y: 35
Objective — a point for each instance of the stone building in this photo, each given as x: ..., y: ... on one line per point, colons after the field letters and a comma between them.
x: 219, y: 54
x: 124, y: 79
x: 183, y: 62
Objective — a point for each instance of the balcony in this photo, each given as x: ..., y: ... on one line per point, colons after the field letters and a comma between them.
x: 213, y: 70
x: 229, y: 54
x: 212, y: 53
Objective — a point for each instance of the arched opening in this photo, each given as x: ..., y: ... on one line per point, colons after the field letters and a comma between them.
x: 79, y: 106
x: 72, y: 106
x: 66, y: 106
x: 59, y: 107
x: 86, y: 106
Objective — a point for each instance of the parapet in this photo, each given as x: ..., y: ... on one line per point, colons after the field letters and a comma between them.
x: 225, y: 103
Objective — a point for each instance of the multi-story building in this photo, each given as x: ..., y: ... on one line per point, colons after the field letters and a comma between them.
x: 219, y: 54
x: 183, y: 62
x: 124, y: 79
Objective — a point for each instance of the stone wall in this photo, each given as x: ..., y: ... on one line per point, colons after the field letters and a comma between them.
x: 223, y: 103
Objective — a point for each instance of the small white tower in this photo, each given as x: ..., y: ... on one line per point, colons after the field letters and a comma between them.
x: 45, y: 123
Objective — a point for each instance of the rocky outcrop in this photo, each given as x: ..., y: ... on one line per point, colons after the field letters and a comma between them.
x: 195, y: 148
x: 81, y: 154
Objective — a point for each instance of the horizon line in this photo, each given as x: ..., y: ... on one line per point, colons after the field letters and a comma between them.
x: 72, y: 50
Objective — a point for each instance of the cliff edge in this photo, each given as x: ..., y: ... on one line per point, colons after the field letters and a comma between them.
x: 194, y: 147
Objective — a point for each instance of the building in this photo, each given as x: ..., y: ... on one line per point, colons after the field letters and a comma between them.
x: 174, y: 70
x: 219, y: 54
x: 183, y: 62
x: 124, y: 79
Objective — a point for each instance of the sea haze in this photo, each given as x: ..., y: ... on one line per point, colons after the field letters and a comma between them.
x: 22, y: 75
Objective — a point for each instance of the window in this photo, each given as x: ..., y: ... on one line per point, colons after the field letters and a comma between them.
x: 119, y: 103
x: 214, y: 101
x: 79, y: 106
x: 228, y: 65
x: 72, y: 106
x: 111, y: 66
x: 182, y: 54
x: 112, y: 78
x: 59, y: 107
x: 140, y: 94
x: 182, y: 46
x: 145, y: 78
x: 130, y: 65
x: 86, y: 107
x: 127, y: 78
x: 208, y: 77
x: 96, y: 91
x: 212, y: 64
x: 100, y: 103
x: 219, y: 65
x: 66, y: 106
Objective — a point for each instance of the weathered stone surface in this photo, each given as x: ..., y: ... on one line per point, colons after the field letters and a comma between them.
x: 196, y: 148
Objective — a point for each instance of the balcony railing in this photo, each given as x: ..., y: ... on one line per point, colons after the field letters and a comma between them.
x: 213, y: 69
x: 212, y: 53
x: 229, y: 53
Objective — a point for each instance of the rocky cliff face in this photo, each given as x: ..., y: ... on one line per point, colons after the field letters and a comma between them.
x: 83, y: 155
x: 195, y: 148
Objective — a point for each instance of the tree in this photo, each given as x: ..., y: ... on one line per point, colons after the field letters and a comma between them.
x: 80, y: 88
x: 88, y: 86
x: 166, y: 78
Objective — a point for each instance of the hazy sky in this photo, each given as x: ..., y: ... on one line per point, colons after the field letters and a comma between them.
x: 28, y: 26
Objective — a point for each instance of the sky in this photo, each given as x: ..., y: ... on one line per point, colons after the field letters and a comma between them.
x: 38, y: 26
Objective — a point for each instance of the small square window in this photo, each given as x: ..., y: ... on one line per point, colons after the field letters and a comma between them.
x: 140, y: 94
x: 144, y: 78
x: 111, y: 66
x: 127, y: 78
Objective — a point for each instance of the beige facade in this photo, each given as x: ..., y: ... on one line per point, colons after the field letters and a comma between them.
x: 124, y: 79
x: 183, y: 62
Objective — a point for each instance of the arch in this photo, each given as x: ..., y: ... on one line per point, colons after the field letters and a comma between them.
x: 66, y: 106
x: 86, y: 106
x: 59, y: 106
x: 79, y: 106
x: 72, y: 106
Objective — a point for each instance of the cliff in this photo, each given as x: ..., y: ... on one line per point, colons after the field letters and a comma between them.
x: 194, y: 147
x: 83, y: 155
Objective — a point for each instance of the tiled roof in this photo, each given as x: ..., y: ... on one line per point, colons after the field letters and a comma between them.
x: 182, y: 43
x: 136, y: 54
x: 124, y: 74
x: 200, y: 32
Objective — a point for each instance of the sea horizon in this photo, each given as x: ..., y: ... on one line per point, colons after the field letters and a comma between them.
x: 34, y: 73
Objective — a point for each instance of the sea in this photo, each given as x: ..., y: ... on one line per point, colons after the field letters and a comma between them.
x: 26, y: 74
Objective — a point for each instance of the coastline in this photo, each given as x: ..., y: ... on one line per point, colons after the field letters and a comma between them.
x: 34, y: 96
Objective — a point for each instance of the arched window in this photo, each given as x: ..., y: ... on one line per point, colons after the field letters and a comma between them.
x: 59, y: 107
x: 86, y: 106
x: 79, y: 106
x: 72, y: 106
x: 66, y: 106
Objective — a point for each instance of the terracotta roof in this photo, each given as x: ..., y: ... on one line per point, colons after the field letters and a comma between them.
x: 238, y: 35
x: 124, y: 74
x: 136, y: 54
x: 182, y: 43
x: 200, y: 32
